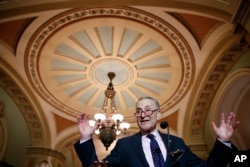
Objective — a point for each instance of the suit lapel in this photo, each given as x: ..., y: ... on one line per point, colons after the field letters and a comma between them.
x: 137, y: 147
x: 165, y: 141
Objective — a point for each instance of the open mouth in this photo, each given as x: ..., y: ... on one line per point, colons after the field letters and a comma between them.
x: 144, y: 120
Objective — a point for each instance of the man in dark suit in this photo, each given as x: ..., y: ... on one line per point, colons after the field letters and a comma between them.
x: 135, y: 150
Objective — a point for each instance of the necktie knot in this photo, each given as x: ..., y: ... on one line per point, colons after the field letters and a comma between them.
x: 151, y: 136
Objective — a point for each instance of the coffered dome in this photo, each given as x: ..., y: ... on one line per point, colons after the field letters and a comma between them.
x: 147, y: 55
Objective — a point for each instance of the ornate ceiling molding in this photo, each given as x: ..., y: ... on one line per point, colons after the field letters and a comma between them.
x: 48, y: 29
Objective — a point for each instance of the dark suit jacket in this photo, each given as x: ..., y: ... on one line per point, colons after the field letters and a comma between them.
x: 128, y: 152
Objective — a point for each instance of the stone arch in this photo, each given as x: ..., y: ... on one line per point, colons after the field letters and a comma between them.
x: 27, y: 104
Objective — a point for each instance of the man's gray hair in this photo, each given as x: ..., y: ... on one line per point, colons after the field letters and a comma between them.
x: 150, y: 98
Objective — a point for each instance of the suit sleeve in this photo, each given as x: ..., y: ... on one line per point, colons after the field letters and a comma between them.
x: 221, y: 154
x: 113, y: 158
x: 86, y: 152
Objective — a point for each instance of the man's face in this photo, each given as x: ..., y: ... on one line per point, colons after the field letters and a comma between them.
x: 147, y: 123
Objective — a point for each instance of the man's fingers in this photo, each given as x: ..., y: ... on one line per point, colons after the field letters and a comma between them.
x: 214, y: 126
x: 236, y: 125
x: 232, y: 121
x: 222, y: 118
x: 231, y: 117
x: 82, y: 118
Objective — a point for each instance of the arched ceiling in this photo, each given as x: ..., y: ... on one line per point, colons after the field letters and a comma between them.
x: 69, y: 65
x: 65, y: 54
x: 55, y: 57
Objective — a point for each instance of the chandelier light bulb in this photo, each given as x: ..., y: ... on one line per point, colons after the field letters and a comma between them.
x: 118, y: 132
x: 97, y: 131
x: 117, y: 117
x: 100, y: 117
x: 124, y: 125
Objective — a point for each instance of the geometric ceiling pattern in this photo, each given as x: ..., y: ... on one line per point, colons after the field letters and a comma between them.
x: 147, y: 54
x: 55, y: 57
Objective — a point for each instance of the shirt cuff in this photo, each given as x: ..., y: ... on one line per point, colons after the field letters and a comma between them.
x: 84, y: 140
x: 227, y: 143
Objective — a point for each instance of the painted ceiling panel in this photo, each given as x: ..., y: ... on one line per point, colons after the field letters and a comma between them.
x: 199, y: 26
x: 68, y: 78
x: 162, y: 61
x: 67, y: 66
x: 147, y: 48
x: 129, y: 38
x: 70, y: 52
x: 161, y: 76
x: 118, y: 103
x: 99, y: 100
x: 84, y: 98
x: 151, y: 86
x: 130, y: 103
x: 138, y: 92
x: 15, y: 29
x: 83, y: 39
x: 76, y: 88
x: 106, y: 36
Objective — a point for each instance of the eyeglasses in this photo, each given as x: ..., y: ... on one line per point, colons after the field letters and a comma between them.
x: 147, y: 112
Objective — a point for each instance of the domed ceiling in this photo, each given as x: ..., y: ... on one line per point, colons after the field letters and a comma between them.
x: 55, y: 57
x: 148, y: 56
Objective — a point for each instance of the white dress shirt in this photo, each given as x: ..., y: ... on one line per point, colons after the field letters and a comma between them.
x: 146, y: 147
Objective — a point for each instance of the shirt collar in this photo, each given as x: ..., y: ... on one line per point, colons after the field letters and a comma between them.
x: 154, y: 132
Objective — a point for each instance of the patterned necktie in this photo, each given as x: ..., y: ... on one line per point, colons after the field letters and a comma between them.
x: 156, y: 151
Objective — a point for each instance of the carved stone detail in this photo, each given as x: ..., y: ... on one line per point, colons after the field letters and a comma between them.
x: 24, y: 105
x: 2, y: 107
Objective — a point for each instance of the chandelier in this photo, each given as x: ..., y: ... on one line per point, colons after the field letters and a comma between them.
x: 109, y: 121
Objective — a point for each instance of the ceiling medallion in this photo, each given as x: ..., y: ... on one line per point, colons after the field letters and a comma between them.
x: 125, y: 73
